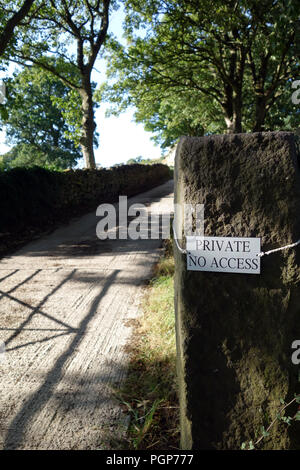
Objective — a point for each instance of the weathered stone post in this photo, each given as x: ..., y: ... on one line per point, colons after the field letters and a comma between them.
x: 234, y: 331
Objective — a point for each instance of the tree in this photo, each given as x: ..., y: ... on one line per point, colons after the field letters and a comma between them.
x: 57, y: 30
x: 272, y: 56
x: 35, y: 123
x: 7, y: 29
x: 170, y: 115
x: 228, y: 58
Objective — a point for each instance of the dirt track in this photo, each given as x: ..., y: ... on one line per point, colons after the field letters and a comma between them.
x: 65, y: 302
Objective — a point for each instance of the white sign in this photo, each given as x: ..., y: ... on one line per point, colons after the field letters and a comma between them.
x: 223, y: 254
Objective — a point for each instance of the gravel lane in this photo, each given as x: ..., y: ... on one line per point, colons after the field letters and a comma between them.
x: 66, y: 301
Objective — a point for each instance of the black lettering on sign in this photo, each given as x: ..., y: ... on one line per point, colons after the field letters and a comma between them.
x: 222, y: 264
x: 248, y: 263
x: 206, y: 245
x: 255, y: 263
x: 192, y: 260
x: 201, y: 261
x: 229, y: 247
x: 219, y: 244
x: 230, y: 263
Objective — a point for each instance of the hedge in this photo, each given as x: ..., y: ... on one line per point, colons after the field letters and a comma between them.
x: 36, y: 196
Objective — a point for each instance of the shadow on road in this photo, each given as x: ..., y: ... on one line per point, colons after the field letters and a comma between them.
x: 35, y: 402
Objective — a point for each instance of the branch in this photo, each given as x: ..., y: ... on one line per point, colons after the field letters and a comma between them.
x: 8, y: 31
x: 102, y: 33
x: 47, y: 67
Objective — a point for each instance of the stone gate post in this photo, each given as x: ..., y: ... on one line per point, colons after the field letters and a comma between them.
x: 234, y: 331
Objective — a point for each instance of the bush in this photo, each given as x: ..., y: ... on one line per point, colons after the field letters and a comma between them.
x: 35, y: 196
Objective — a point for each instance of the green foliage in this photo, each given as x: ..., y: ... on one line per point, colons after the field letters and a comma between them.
x: 288, y: 420
x: 144, y: 161
x: 195, y: 67
x: 28, y: 156
x: 65, y: 38
x: 12, y: 14
x: 36, y: 123
x: 69, y: 105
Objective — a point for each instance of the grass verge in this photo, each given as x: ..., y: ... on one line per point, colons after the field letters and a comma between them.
x: 149, y: 393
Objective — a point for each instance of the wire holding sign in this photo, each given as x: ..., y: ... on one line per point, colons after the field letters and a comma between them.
x: 182, y: 250
x: 282, y: 248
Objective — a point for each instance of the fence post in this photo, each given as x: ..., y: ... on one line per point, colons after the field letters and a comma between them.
x: 234, y: 331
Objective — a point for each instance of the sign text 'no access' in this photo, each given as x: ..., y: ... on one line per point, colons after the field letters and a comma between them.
x: 223, y: 254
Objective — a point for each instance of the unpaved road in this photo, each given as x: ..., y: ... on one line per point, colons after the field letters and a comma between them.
x: 65, y: 305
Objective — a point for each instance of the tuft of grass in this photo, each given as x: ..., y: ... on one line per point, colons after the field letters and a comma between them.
x: 149, y: 393
x: 164, y: 269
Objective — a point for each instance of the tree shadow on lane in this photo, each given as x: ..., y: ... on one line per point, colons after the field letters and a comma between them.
x: 35, y: 403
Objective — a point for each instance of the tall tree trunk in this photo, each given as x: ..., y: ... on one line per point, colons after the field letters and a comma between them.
x: 233, y: 88
x: 233, y: 124
x: 88, y: 123
x: 233, y: 111
x: 260, y: 113
x: 237, y: 111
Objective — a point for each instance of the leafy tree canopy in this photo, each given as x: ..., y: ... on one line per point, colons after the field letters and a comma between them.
x: 12, y: 14
x: 199, y: 66
x: 37, y: 106
x: 64, y: 37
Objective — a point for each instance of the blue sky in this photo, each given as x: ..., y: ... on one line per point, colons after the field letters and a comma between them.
x: 120, y: 137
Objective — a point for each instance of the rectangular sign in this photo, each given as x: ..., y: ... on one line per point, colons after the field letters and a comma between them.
x: 223, y: 254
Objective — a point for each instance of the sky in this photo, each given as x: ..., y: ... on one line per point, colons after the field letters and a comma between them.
x: 120, y: 137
